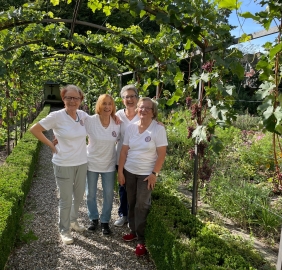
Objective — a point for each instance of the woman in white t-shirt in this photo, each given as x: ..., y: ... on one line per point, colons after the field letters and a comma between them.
x: 127, y: 116
x: 69, y: 157
x: 141, y: 159
x: 103, y: 134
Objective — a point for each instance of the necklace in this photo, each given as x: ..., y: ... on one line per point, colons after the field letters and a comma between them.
x: 77, y: 118
x: 104, y: 124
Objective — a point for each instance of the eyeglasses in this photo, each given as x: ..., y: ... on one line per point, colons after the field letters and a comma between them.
x: 72, y: 98
x: 145, y: 108
x: 128, y: 97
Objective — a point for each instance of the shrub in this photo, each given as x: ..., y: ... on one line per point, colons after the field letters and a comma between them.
x: 176, y: 239
x: 15, y: 179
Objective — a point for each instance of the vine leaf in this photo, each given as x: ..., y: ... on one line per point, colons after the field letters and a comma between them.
x: 275, y: 50
x: 199, y: 134
x: 264, y: 90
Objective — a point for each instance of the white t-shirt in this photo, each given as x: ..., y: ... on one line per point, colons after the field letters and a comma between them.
x: 142, y: 152
x: 101, y: 151
x: 125, y: 122
x: 71, y: 136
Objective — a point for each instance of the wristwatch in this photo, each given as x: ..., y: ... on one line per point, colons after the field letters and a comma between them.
x: 156, y: 174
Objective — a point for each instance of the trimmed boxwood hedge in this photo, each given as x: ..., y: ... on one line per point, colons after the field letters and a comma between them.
x: 176, y: 239
x: 15, y: 180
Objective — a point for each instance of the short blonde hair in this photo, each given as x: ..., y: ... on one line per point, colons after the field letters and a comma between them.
x: 100, y: 101
x: 69, y: 87
x: 154, y: 105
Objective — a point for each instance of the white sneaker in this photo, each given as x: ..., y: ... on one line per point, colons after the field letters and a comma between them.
x: 66, y: 238
x: 76, y: 227
x: 121, y: 221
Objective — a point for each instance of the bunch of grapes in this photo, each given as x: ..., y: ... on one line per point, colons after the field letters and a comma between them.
x: 196, y: 111
x: 205, y: 171
x: 190, y: 131
x: 201, y: 149
x: 191, y: 153
x: 188, y: 102
x: 207, y: 66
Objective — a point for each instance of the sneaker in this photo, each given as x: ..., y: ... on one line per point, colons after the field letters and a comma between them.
x: 121, y: 221
x: 140, y: 250
x: 66, y: 238
x: 105, y: 228
x: 76, y: 227
x: 93, y: 225
x: 129, y: 237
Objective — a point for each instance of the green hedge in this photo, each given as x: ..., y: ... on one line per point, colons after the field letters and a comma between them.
x: 176, y: 239
x: 15, y: 180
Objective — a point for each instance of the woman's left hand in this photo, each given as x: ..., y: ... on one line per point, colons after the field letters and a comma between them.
x: 152, y: 179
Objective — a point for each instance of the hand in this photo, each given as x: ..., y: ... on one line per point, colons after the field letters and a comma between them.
x: 152, y: 179
x: 121, y: 178
x: 117, y: 120
x: 53, y: 149
x: 55, y: 141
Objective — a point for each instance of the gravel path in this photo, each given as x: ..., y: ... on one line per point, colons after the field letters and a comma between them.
x: 89, y: 251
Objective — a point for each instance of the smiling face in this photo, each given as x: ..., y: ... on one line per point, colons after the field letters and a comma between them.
x: 145, y: 109
x: 129, y: 99
x: 72, y: 100
x: 105, y: 105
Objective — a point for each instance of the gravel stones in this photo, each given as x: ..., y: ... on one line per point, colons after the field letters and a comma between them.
x: 89, y: 250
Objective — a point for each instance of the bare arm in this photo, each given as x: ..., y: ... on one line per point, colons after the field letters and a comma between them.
x: 37, y: 131
x: 122, y: 159
x: 152, y: 179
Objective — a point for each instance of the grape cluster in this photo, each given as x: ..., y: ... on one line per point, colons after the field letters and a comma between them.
x: 205, y: 171
x: 207, y: 66
x: 196, y: 111
x: 201, y: 149
x: 190, y: 131
x: 188, y: 102
x: 191, y: 153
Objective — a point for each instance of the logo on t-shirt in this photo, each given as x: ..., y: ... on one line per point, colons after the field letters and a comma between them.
x: 147, y: 139
x: 114, y: 134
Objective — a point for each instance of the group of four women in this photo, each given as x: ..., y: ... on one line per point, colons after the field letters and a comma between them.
x: 133, y: 141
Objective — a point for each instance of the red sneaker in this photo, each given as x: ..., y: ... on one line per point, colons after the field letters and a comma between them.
x: 140, y: 250
x: 129, y: 237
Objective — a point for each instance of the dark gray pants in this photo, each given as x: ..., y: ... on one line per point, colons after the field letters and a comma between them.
x: 139, y: 202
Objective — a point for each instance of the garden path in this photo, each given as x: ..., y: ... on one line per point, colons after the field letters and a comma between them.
x: 89, y: 251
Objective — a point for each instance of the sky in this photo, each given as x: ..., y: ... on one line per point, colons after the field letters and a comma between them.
x: 249, y: 26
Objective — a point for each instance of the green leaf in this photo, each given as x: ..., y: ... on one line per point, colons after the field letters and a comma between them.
x: 278, y: 114
x: 187, y: 46
x: 142, y: 13
x: 249, y: 15
x: 275, y: 50
x: 205, y: 77
x: 216, y: 144
x: 229, y: 4
x: 15, y: 104
x: 265, y: 90
x: 55, y: 2
x: 199, y: 134
x: 270, y: 123
x: 244, y: 38
x: 268, y: 113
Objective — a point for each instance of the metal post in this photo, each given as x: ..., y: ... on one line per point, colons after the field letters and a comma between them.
x: 196, y: 158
